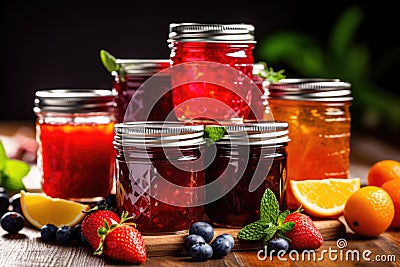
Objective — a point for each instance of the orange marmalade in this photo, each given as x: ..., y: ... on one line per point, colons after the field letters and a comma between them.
x: 317, y: 111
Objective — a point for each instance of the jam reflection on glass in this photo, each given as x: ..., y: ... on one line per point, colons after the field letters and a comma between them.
x: 320, y: 140
x: 135, y: 190
x: 257, y: 100
x: 240, y: 207
x: 76, y: 160
x: 238, y: 56
x: 143, y: 100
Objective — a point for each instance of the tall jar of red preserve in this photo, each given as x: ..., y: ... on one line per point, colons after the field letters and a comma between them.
x: 250, y: 158
x: 74, y: 129
x: 152, y: 102
x: 160, y: 174
x: 211, y: 91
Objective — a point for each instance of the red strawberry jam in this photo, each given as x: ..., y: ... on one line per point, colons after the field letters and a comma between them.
x: 222, y: 95
x: 74, y: 129
x: 152, y: 102
x: 156, y: 181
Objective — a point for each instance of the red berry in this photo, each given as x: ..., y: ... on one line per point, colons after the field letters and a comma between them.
x: 305, y: 234
x: 93, y: 221
x: 125, y: 243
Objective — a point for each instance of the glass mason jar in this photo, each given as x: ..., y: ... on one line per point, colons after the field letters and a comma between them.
x: 74, y: 129
x: 250, y: 158
x: 152, y: 102
x: 215, y: 85
x: 257, y: 96
x: 318, y: 113
x: 158, y: 170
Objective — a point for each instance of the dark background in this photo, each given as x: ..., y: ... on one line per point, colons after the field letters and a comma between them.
x: 53, y: 44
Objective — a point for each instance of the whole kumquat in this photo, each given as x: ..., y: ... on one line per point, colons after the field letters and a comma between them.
x: 369, y: 211
x: 393, y: 189
x: 383, y: 171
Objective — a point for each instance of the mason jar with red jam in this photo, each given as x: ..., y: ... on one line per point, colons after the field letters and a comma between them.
x: 249, y: 159
x: 160, y: 174
x: 150, y: 102
x: 257, y: 97
x: 318, y: 113
x: 75, y: 130
x: 213, y: 81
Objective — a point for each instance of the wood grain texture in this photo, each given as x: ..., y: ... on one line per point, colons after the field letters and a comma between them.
x: 27, y: 249
x: 163, y: 245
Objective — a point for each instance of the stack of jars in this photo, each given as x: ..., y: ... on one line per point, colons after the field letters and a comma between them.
x: 167, y: 174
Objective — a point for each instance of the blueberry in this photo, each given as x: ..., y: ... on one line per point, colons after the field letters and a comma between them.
x: 48, y: 232
x: 202, y: 229
x: 201, y: 252
x: 191, y: 240
x: 277, y: 244
x: 64, y: 235
x: 76, y: 232
x: 12, y: 222
x: 111, y: 200
x: 221, y: 246
x: 230, y: 238
x: 101, y: 203
x: 16, y: 203
x: 4, y: 203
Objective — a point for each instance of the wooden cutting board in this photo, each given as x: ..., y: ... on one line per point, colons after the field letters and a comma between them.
x: 163, y: 245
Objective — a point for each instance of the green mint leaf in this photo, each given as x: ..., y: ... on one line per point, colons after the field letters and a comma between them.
x: 109, y: 61
x: 282, y: 217
x: 214, y: 133
x: 270, y: 75
x: 270, y: 233
x: 13, y: 173
x: 3, y: 157
x: 254, y: 231
x: 269, y: 209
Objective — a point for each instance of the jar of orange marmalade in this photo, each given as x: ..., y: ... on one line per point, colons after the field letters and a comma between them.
x: 75, y: 131
x: 318, y: 114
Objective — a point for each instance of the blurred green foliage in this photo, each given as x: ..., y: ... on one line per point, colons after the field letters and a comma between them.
x: 373, y: 108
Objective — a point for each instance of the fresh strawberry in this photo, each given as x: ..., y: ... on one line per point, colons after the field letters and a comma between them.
x: 95, y: 220
x: 122, y: 242
x: 305, y: 234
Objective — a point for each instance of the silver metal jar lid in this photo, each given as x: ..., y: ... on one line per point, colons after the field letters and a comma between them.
x: 260, y: 133
x: 143, y: 66
x: 311, y: 89
x: 74, y: 100
x: 158, y: 134
x: 200, y: 32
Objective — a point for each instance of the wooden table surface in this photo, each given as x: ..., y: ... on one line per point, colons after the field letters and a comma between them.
x: 27, y: 249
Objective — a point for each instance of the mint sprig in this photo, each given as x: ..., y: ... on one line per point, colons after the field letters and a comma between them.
x: 12, y: 172
x: 271, y: 222
x: 109, y: 61
x: 270, y: 75
x: 214, y: 133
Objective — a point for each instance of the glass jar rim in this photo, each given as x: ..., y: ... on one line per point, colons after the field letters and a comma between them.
x: 74, y: 100
x: 255, y: 133
x: 142, y: 66
x: 309, y: 89
x: 203, y: 32
x: 158, y: 134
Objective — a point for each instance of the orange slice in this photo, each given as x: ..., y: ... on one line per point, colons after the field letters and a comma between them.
x: 39, y: 209
x: 324, y: 198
